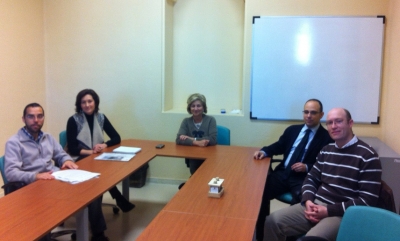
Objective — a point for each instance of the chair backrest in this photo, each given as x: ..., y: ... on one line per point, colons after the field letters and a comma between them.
x: 224, y: 136
x: 386, y: 198
x: 369, y: 224
x: 2, y: 170
x: 63, y: 138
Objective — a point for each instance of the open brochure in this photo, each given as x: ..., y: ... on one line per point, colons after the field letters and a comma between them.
x: 111, y: 156
x: 127, y: 149
x: 74, y: 176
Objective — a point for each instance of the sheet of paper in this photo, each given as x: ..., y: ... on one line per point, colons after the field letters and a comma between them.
x: 74, y: 176
x: 111, y: 156
x: 127, y: 149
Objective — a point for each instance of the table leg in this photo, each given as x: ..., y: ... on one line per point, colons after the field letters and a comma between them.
x: 82, y: 225
x: 125, y: 188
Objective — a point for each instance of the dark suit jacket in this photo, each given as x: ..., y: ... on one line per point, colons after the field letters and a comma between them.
x: 289, y: 136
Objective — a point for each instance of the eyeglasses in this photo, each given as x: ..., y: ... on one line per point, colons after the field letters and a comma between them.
x: 32, y: 117
x: 337, y: 122
x: 312, y: 112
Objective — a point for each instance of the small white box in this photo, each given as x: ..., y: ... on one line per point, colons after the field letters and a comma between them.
x: 216, y: 189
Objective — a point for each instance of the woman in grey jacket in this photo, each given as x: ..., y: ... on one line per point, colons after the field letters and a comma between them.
x: 197, y: 130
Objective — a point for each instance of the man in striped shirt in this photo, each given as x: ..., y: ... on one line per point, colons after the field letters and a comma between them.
x: 346, y: 173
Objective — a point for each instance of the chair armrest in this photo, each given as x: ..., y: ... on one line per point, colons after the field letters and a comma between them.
x: 273, y: 163
x: 12, y: 186
x: 386, y: 198
x: 311, y: 238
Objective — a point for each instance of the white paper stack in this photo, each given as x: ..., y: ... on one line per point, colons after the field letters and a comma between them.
x: 74, y: 176
x: 127, y: 149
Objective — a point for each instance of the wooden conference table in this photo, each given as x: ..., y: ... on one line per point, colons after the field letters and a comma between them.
x: 36, y: 209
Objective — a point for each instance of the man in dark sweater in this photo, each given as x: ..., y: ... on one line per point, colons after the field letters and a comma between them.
x: 346, y: 173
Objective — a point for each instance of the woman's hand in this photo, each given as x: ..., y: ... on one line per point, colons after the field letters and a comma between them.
x: 99, y: 148
x: 86, y: 152
x: 183, y: 137
x: 201, y: 143
x: 195, y: 142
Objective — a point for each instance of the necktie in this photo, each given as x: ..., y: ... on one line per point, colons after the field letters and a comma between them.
x: 298, y: 153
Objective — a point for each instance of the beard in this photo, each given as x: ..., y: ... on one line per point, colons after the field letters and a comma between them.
x: 33, y: 129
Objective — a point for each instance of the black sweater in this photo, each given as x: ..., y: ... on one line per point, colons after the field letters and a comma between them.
x: 72, y: 133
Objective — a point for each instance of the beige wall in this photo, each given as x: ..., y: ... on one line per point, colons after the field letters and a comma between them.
x: 117, y: 48
x: 391, y: 80
x: 22, y: 75
x: 207, y: 53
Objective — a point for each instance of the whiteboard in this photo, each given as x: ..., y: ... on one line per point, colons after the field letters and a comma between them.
x: 337, y: 60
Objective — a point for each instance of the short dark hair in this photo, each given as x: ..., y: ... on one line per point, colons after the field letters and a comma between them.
x: 348, y: 115
x: 32, y: 105
x: 321, y: 108
x: 81, y: 94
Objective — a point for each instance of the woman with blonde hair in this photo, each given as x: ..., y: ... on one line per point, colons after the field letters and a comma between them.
x: 197, y: 130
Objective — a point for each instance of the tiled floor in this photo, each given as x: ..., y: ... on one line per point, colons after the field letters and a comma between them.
x: 149, y: 200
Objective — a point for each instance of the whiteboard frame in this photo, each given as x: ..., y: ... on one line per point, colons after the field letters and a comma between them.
x: 284, y: 100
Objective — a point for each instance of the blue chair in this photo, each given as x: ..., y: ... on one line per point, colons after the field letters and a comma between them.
x: 2, y: 170
x: 369, y: 224
x: 63, y: 138
x: 285, y: 198
x: 224, y: 136
x: 63, y: 143
x: 9, y: 186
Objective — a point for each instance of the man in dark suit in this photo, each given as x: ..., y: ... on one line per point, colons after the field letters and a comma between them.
x: 300, y: 145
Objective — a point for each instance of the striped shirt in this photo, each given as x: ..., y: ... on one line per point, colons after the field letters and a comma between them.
x: 344, y: 177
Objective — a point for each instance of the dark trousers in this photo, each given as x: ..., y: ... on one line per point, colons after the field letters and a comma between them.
x: 277, y: 184
x: 115, y: 193
x: 47, y: 237
x: 96, y: 217
x: 194, y: 165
